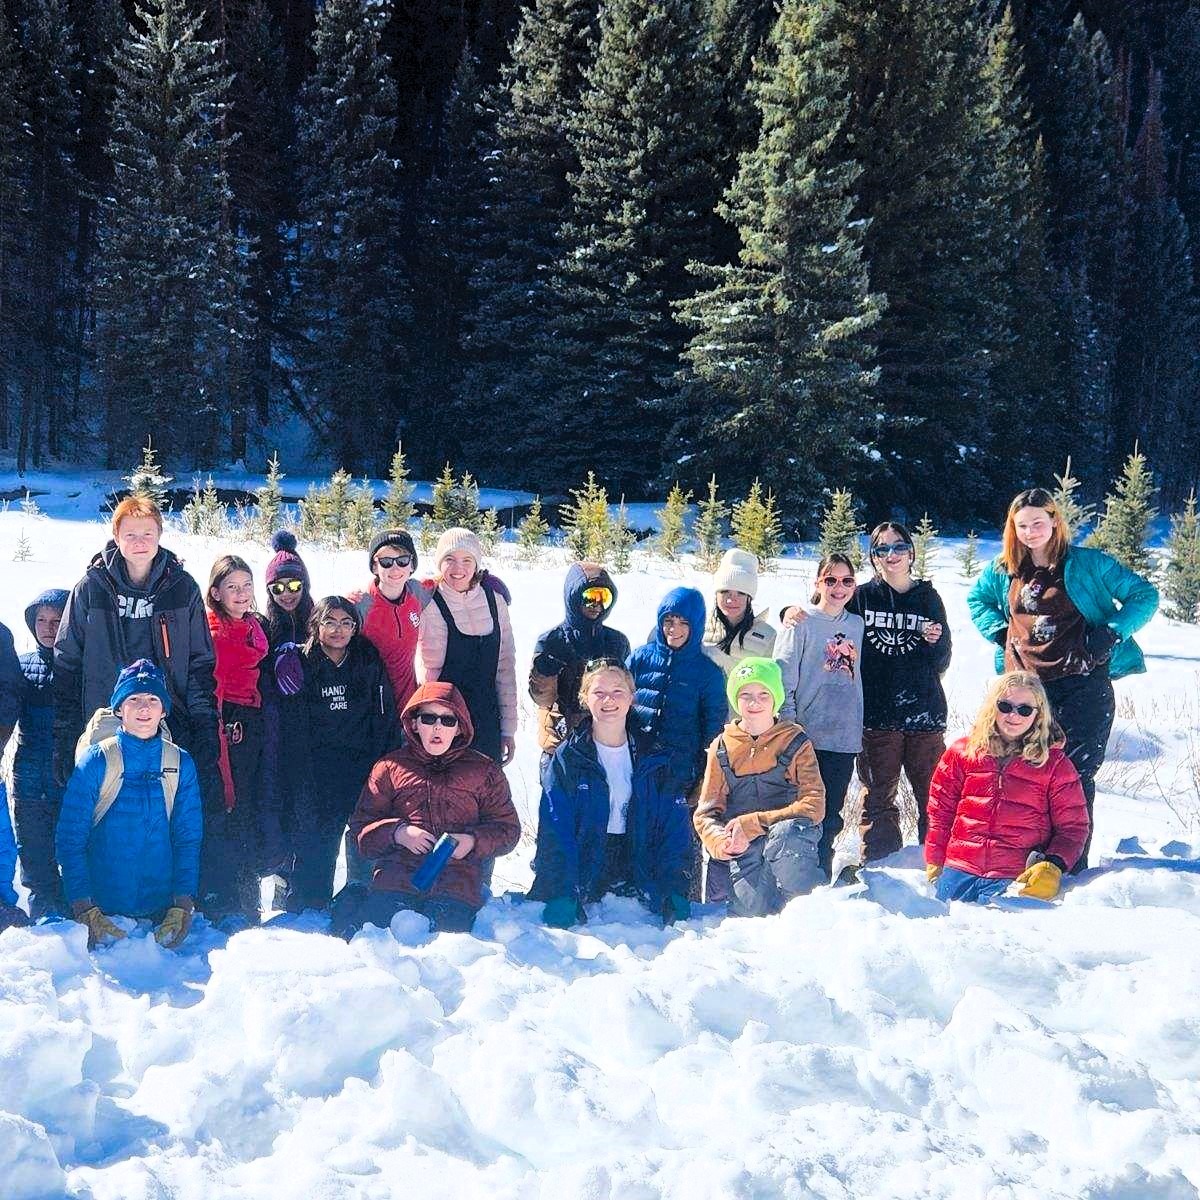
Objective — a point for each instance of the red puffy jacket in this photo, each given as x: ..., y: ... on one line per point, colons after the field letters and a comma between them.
x: 985, y: 819
x: 391, y: 626
x: 461, y: 791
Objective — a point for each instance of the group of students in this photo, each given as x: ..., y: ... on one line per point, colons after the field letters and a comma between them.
x: 174, y: 750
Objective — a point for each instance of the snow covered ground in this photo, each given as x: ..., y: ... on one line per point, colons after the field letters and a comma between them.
x: 868, y: 1042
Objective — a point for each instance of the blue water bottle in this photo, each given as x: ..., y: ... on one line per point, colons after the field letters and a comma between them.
x: 427, y: 873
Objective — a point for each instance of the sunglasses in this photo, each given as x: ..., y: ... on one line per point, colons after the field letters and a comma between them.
x: 447, y: 719
x: 1022, y: 710
x: 890, y: 550
x: 597, y: 595
x: 838, y: 581
x: 387, y: 561
x: 285, y: 585
x: 602, y: 664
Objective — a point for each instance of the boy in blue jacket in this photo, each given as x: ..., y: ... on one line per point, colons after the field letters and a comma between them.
x: 141, y: 857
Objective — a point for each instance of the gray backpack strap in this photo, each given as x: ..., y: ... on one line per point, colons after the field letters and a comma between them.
x: 114, y: 776
x: 170, y: 774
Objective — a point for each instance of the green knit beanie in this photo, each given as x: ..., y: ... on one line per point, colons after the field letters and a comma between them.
x: 755, y: 670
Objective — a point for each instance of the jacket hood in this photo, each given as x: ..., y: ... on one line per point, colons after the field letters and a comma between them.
x: 50, y: 598
x: 441, y: 693
x: 582, y: 575
x: 687, y: 603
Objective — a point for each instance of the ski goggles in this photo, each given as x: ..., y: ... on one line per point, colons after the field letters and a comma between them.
x: 597, y: 595
x: 447, y: 719
x: 1022, y: 710
x: 285, y: 585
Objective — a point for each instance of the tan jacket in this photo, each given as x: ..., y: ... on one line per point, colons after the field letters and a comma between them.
x: 759, y: 641
x: 753, y: 756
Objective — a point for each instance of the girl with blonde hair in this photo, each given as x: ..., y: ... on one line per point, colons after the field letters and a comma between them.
x: 1005, y: 802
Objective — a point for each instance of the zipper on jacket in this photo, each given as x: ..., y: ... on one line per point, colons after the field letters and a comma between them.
x: 166, y: 637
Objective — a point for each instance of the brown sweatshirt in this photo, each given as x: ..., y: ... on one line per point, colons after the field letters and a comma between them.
x: 753, y: 756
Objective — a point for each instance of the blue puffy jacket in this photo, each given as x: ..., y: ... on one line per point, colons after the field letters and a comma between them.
x: 8, y: 852
x: 10, y: 684
x: 135, y: 862
x: 33, y: 762
x: 679, y: 704
x: 573, y: 826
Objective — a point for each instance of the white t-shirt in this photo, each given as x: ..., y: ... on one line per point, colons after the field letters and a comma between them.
x: 618, y: 770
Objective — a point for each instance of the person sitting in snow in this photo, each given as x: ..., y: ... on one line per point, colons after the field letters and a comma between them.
x: 434, y: 784
x: 140, y: 856
x: 1005, y: 804
x: 762, y: 799
x: 612, y: 817
x: 562, y: 652
x: 37, y: 795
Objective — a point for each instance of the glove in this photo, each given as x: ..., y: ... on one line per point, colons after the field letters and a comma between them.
x: 676, y: 908
x: 1000, y: 636
x: 101, y: 931
x: 1041, y: 881
x: 176, y: 923
x: 1100, y: 641
x: 561, y: 913
x: 289, y: 670
x: 933, y: 872
x: 11, y: 917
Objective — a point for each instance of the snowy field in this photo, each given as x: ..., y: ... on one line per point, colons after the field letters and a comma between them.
x: 868, y: 1042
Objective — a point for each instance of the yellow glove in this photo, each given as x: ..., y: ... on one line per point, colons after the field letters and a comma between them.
x: 174, y: 927
x: 101, y: 931
x: 932, y: 871
x: 1041, y: 881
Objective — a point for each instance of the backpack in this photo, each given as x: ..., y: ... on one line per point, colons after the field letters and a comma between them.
x: 101, y: 730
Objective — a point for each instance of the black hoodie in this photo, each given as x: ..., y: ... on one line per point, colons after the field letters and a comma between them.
x: 901, y: 671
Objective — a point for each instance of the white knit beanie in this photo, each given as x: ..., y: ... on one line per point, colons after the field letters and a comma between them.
x: 458, y: 539
x: 738, y: 572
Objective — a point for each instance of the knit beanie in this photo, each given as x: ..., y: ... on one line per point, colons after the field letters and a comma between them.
x: 764, y: 671
x: 286, y: 561
x: 737, y: 572
x: 458, y: 539
x: 141, y: 678
x: 400, y: 538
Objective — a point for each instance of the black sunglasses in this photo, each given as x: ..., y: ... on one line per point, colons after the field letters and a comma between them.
x: 447, y: 719
x: 388, y: 561
x: 1022, y: 710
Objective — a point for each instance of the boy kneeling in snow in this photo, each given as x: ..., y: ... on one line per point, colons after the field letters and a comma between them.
x: 140, y: 855
x: 762, y: 800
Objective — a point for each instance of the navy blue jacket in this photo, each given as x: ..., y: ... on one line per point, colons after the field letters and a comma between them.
x: 135, y: 862
x: 33, y: 761
x: 8, y: 852
x: 573, y: 826
x: 10, y: 685
x: 679, y: 704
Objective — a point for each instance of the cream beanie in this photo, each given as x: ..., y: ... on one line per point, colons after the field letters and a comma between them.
x: 738, y: 572
x: 458, y: 539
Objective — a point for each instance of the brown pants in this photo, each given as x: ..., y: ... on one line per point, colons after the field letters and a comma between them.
x: 885, y: 753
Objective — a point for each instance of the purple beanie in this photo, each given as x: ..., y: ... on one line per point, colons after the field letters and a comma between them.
x: 286, y: 561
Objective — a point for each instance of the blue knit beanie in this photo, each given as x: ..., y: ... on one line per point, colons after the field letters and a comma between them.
x: 141, y: 678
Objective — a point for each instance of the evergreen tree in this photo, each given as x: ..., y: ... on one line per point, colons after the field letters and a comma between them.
x: 488, y: 529
x: 463, y: 503
x: 778, y: 360
x: 841, y: 532
x: 968, y: 556
x: 397, y: 503
x: 1181, y: 578
x: 148, y: 478
x: 623, y: 540
x: 1075, y: 515
x: 1125, y: 526
x: 532, y: 532
x: 268, y: 501
x: 337, y: 502
x: 709, y: 529
x: 14, y: 236
x: 925, y: 548
x: 171, y: 275
x: 350, y: 291
x: 204, y: 515
x: 362, y: 519
x: 672, y: 523
x: 587, y: 522
x: 756, y: 526
x: 441, y: 515
x: 529, y: 195
x: 641, y: 208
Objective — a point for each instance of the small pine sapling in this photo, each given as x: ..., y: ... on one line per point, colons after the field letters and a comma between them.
x: 488, y: 529
x: 268, y: 500
x: 312, y: 514
x: 672, y: 524
x: 532, y: 533
x: 588, y: 523
x: 29, y: 506
x: 709, y: 529
x: 1124, y: 528
x: 441, y: 514
x: 623, y: 539
x: 968, y: 556
x: 464, y: 504
x: 204, y: 515
x: 338, y: 501
x: 841, y: 532
x: 1076, y: 516
x: 148, y: 478
x: 362, y: 519
x: 397, y: 503
x: 1181, y: 578
x: 925, y: 548
x: 756, y: 526
x: 24, y: 548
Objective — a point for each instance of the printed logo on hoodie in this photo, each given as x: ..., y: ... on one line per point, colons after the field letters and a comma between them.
x: 135, y: 607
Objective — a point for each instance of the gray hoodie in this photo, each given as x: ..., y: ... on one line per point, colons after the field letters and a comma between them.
x: 822, y: 682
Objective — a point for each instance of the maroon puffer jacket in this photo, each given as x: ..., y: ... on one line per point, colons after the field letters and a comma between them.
x: 985, y: 820
x: 461, y: 791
